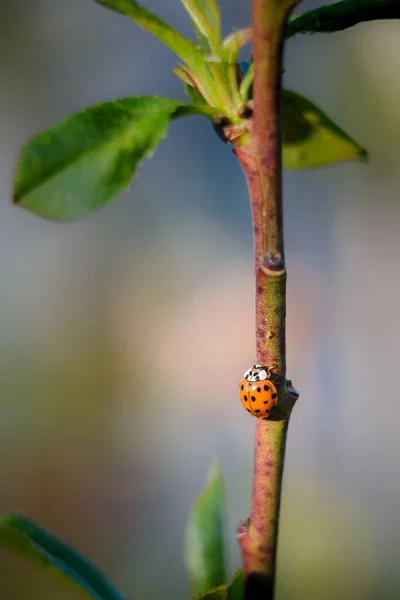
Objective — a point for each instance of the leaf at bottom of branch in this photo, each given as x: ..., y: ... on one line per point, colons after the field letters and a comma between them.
x: 219, y: 593
x: 25, y: 538
x: 205, y: 544
x: 236, y: 586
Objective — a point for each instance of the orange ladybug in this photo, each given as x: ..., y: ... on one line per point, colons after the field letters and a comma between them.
x: 258, y: 394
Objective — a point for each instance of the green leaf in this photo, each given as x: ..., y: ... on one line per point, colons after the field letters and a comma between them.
x: 211, y: 10
x: 236, y: 586
x: 246, y: 85
x: 195, y: 97
x: 24, y: 537
x: 218, y: 593
x: 205, y: 16
x: 183, y: 75
x: 204, y: 543
x: 339, y: 16
x: 82, y: 163
x: 180, y: 45
x: 233, y: 43
x: 310, y: 138
x: 334, y: 17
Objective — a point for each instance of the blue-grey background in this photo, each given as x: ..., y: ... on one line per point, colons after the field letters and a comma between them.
x: 123, y: 336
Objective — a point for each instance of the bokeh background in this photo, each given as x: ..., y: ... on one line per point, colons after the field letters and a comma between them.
x: 123, y: 335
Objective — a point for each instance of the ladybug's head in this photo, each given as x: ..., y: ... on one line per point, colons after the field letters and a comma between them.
x: 257, y: 373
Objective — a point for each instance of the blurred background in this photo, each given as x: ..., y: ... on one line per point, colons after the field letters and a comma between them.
x: 123, y: 336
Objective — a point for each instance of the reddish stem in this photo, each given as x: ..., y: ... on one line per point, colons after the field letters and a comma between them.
x: 261, y: 160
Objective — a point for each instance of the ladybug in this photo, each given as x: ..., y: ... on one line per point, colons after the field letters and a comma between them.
x: 258, y: 394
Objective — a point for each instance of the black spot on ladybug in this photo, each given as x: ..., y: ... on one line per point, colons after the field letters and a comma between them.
x: 253, y: 398
x: 257, y: 378
x: 248, y: 410
x: 265, y: 401
x: 266, y: 388
x: 257, y: 411
x: 267, y: 410
x: 274, y: 396
x: 258, y: 389
x: 245, y: 397
x: 242, y: 387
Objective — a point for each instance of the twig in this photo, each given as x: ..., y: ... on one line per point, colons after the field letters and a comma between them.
x: 261, y: 160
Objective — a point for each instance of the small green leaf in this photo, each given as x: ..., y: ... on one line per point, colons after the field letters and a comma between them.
x: 342, y: 15
x: 191, y: 88
x: 205, y: 16
x: 180, y: 45
x: 211, y: 10
x: 22, y: 536
x: 204, y: 543
x: 182, y: 74
x: 82, y: 163
x: 233, y: 43
x: 246, y: 85
x: 236, y: 586
x: 195, y: 97
x: 218, y: 593
x: 310, y: 138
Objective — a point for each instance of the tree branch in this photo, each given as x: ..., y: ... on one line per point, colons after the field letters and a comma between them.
x: 261, y: 160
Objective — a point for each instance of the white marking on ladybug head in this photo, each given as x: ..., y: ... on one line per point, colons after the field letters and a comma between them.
x: 257, y: 373
x: 262, y: 374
